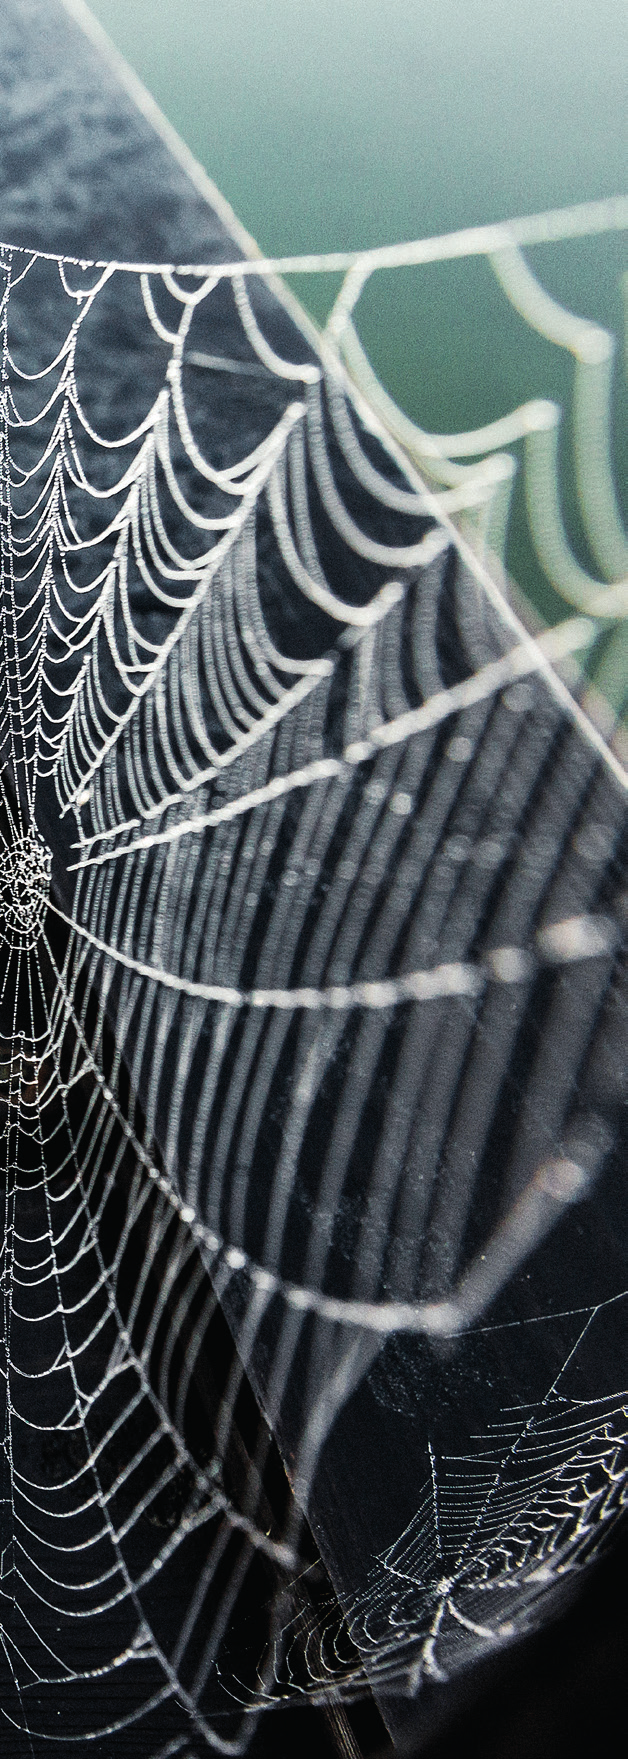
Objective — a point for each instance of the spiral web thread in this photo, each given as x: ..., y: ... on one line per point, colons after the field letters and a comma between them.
x: 298, y: 825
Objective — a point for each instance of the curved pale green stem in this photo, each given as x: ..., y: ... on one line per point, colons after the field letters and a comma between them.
x: 588, y: 341
x: 563, y: 571
x: 486, y: 528
x: 593, y: 349
x: 545, y: 517
x: 610, y: 675
x: 594, y: 471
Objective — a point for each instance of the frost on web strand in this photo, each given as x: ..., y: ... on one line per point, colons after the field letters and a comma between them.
x: 311, y: 917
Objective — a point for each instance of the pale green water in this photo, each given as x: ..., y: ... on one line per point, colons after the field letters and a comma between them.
x: 335, y: 123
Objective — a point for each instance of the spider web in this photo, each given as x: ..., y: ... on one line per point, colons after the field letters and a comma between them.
x: 494, y: 1528
x: 309, y: 1013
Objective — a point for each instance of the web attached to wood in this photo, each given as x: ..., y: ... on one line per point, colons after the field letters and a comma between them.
x: 310, y: 902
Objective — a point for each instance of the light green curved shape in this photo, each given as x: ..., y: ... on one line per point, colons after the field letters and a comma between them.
x: 594, y: 470
x: 588, y: 341
x: 546, y: 523
x: 593, y: 349
x: 486, y: 528
x: 610, y: 675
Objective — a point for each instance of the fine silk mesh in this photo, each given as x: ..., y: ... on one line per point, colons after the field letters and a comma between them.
x: 310, y: 1006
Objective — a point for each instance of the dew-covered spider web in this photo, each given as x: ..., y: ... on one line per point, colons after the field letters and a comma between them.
x: 311, y: 905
